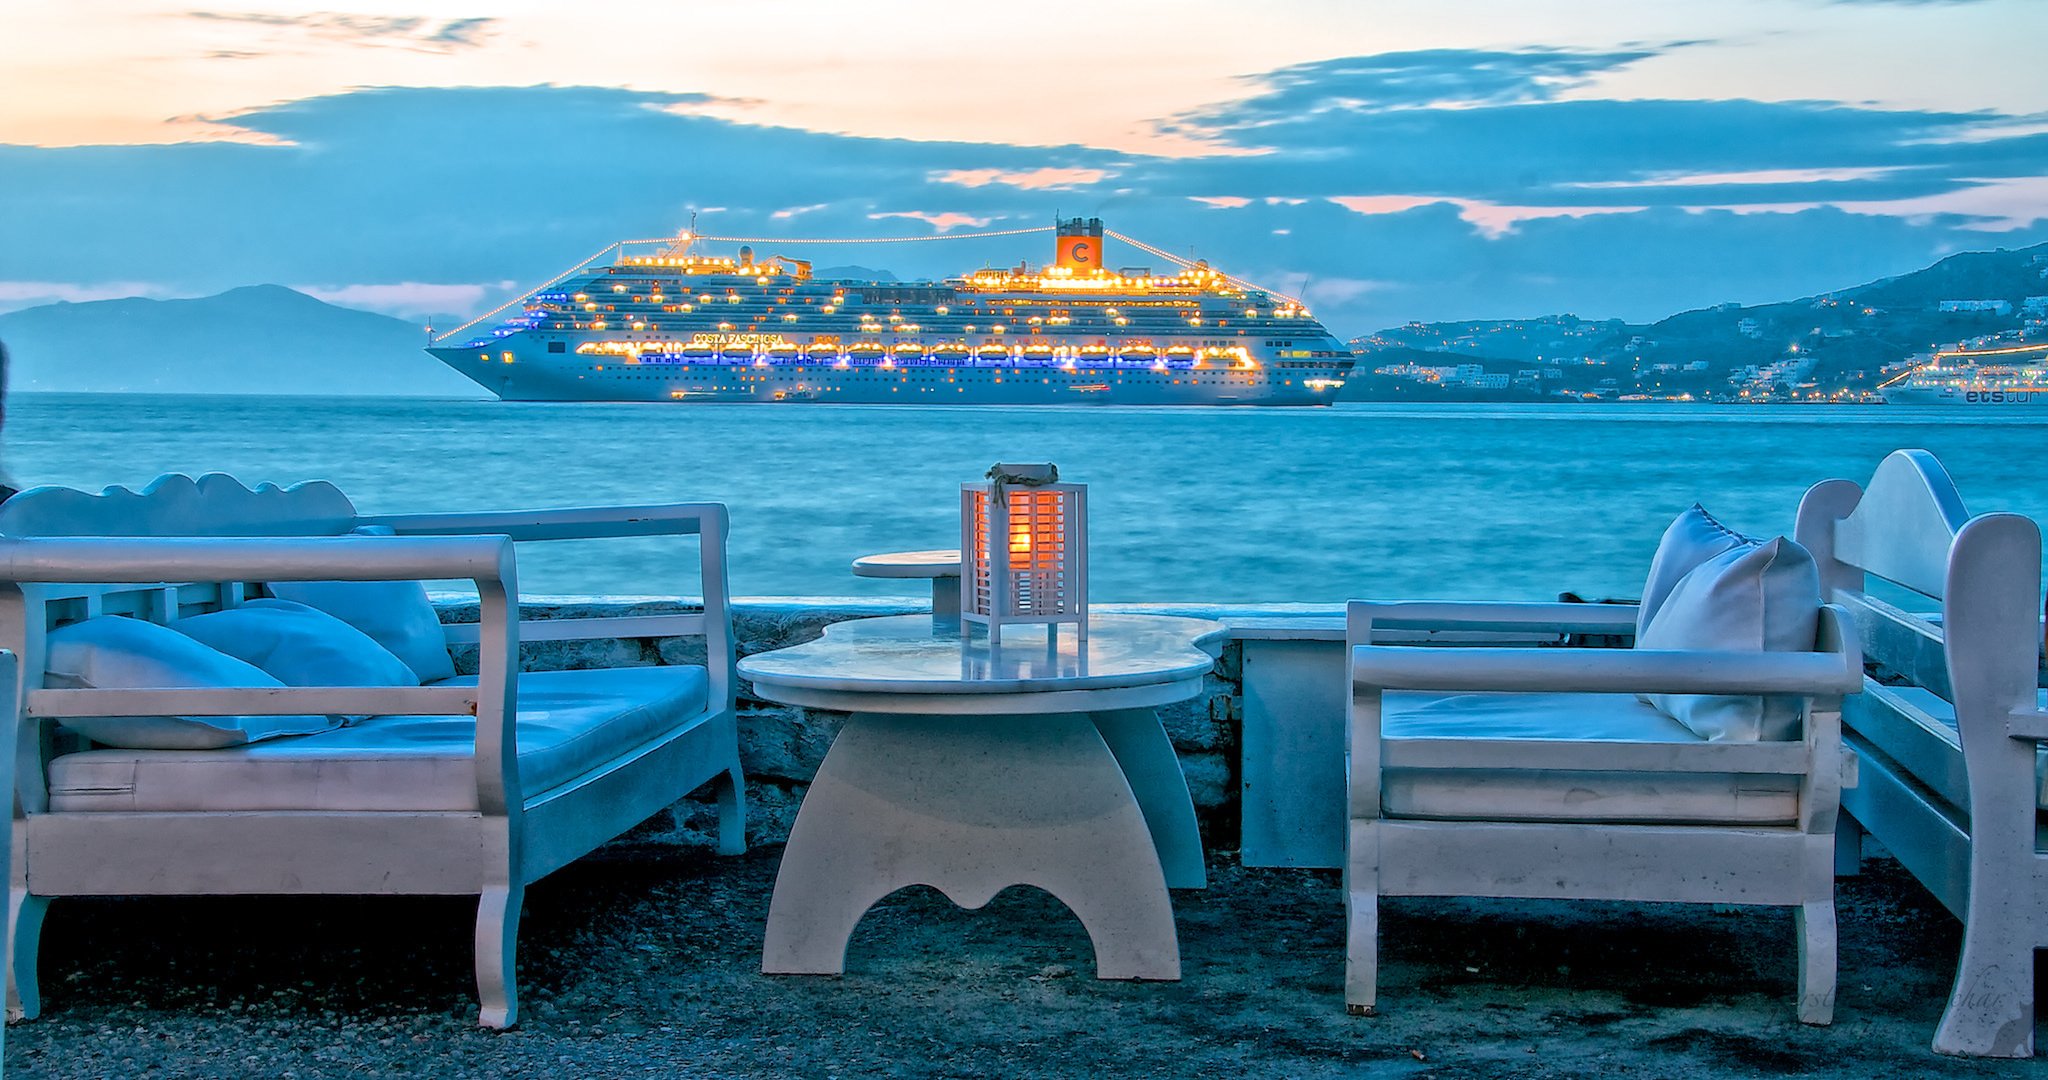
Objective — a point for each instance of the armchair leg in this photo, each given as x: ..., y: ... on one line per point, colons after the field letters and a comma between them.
x: 732, y: 812
x: 1848, y: 845
x: 1815, y: 924
x: 497, y: 946
x: 1362, y: 922
x: 1991, y: 1008
x: 25, y: 934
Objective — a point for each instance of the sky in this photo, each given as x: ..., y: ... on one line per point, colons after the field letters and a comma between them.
x: 1386, y: 161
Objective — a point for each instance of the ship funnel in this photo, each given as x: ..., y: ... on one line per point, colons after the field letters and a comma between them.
x: 1080, y: 245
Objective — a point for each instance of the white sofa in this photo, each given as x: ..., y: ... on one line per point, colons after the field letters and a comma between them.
x: 1951, y: 725
x: 430, y: 784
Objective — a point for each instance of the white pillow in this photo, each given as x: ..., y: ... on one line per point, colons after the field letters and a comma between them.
x: 1692, y: 538
x: 1762, y: 597
x: 298, y: 645
x: 117, y: 653
x: 395, y: 614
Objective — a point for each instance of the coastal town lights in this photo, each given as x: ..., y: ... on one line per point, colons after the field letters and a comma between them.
x: 1023, y: 550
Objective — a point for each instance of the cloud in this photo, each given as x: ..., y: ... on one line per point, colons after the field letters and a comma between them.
x: 1041, y: 179
x: 412, y: 297
x: 1625, y: 208
x: 21, y: 294
x: 943, y: 222
x: 1221, y: 202
x: 1428, y: 78
x: 1492, y: 220
x: 407, y: 31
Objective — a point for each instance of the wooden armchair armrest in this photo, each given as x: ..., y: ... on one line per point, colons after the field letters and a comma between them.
x: 2028, y: 724
x: 1476, y: 615
x: 709, y: 521
x: 576, y: 523
x: 148, y: 560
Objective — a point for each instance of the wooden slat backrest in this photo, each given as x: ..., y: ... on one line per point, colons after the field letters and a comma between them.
x: 1909, y: 527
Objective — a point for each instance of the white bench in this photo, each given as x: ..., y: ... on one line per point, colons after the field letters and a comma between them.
x: 462, y: 786
x: 1949, y: 730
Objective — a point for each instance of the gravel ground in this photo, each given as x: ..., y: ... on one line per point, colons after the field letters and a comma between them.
x: 637, y: 963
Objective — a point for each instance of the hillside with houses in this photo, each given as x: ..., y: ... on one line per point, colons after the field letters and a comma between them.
x: 1835, y: 347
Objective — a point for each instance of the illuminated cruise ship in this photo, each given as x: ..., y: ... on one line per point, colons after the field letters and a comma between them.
x: 670, y: 325
x: 2015, y: 375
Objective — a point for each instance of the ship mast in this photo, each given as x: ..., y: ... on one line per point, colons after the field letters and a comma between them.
x: 681, y: 245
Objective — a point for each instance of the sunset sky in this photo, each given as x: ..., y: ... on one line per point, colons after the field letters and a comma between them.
x: 1387, y: 160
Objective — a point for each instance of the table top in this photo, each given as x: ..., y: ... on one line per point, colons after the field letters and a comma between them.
x: 916, y: 654
x: 909, y: 564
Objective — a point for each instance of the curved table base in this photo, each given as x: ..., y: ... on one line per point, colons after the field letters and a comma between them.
x: 971, y: 807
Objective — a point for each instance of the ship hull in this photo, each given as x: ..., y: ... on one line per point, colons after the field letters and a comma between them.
x: 1955, y: 395
x: 541, y: 378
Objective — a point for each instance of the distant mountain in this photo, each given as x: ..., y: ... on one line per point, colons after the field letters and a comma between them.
x: 852, y: 273
x: 260, y: 339
x: 1843, y: 340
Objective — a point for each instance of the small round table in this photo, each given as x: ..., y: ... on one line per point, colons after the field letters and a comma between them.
x: 943, y: 567
x: 970, y: 768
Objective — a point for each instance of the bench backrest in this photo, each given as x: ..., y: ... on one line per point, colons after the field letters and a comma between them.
x: 1909, y: 527
x: 215, y: 504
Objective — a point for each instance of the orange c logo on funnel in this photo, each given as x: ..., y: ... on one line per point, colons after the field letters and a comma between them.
x: 1081, y: 252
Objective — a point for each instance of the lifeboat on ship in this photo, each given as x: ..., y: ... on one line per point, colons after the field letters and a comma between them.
x: 951, y: 350
x: 823, y: 351
x: 1180, y: 352
x: 1038, y: 352
x: 783, y: 351
x: 1138, y: 353
x: 907, y: 350
x: 992, y: 352
x: 695, y: 351
x: 866, y: 350
x: 736, y: 352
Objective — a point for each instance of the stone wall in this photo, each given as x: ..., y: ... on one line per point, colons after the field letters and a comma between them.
x: 781, y: 746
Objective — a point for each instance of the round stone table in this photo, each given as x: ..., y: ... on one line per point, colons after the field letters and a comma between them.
x: 943, y: 567
x: 970, y: 768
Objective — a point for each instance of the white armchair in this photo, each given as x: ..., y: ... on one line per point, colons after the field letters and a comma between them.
x: 1538, y: 773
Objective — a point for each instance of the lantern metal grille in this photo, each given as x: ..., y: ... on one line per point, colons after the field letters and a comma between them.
x: 1023, y: 553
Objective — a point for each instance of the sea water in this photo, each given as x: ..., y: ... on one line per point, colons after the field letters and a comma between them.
x: 1184, y: 504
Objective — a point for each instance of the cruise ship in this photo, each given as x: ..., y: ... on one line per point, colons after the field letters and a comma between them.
x: 2014, y: 375
x: 673, y: 325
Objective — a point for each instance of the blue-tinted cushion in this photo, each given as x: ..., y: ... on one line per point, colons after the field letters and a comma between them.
x: 117, y: 653
x: 1692, y: 538
x: 1758, y: 597
x: 298, y: 645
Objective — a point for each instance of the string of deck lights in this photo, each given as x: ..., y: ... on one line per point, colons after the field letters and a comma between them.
x: 687, y: 237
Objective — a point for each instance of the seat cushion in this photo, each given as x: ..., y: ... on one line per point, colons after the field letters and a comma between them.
x: 1488, y: 794
x: 1942, y: 712
x: 570, y: 722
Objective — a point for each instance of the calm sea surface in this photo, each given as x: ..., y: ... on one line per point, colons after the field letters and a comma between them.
x: 1239, y: 505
